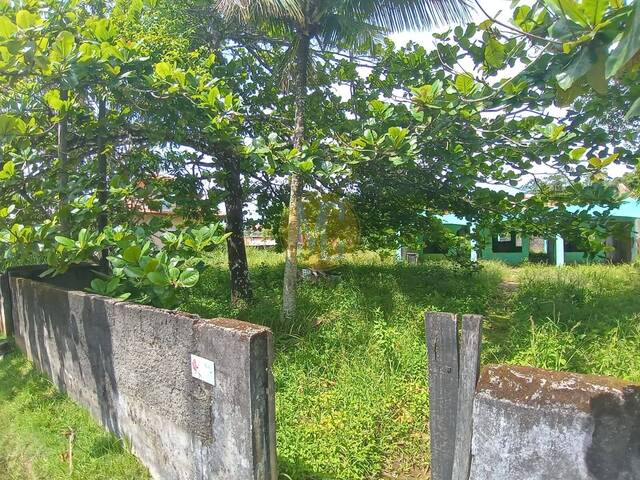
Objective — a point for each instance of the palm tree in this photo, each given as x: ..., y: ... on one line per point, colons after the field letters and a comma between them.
x: 342, y: 24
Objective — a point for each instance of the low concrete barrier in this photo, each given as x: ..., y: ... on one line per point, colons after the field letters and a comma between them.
x: 194, y: 397
x: 538, y: 425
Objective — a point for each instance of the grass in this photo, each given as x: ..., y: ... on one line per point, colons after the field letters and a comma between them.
x: 352, y: 398
x: 33, y: 419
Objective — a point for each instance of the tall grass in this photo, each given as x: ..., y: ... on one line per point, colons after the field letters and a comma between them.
x: 350, y: 376
x: 578, y: 318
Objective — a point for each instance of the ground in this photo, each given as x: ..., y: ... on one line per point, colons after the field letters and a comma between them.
x: 352, y: 401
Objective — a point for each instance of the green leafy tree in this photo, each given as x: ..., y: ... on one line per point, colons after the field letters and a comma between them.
x: 338, y: 24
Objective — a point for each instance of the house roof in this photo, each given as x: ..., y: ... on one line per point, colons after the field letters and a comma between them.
x: 630, y: 208
x: 450, y: 219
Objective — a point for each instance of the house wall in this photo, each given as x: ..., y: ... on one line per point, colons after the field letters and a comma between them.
x: 510, y: 258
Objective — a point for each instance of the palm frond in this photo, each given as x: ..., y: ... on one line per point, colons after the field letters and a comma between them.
x: 398, y: 15
x: 249, y: 10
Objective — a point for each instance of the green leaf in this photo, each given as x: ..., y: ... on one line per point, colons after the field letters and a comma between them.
x: 163, y: 69
x: 52, y: 97
x: 306, y: 165
x: 8, y: 170
x: 174, y: 273
x: 577, y: 153
x: 634, y: 110
x: 7, y: 27
x: 494, y: 53
x: 103, y: 30
x: 158, y: 278
x: 26, y: 19
x: 65, y: 241
x: 595, y: 162
x: 189, y: 278
x: 132, y: 254
x: 628, y: 47
x: 581, y: 64
x: 569, y: 8
x: 464, y: 83
x: 64, y: 44
x: 7, y: 125
x: 609, y: 160
x: 594, y: 10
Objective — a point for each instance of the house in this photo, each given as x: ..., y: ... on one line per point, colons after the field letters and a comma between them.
x: 514, y: 248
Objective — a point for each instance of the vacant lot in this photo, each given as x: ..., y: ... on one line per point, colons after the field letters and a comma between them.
x: 352, y: 398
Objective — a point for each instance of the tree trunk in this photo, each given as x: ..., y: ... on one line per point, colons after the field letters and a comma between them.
x: 236, y: 251
x: 291, y: 260
x: 63, y: 166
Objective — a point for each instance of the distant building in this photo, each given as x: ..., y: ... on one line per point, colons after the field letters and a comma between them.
x: 514, y: 248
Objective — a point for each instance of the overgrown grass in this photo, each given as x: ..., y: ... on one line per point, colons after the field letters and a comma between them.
x: 352, y: 398
x: 577, y: 318
x: 33, y: 419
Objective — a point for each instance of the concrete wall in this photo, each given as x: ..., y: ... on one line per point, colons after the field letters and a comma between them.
x: 539, y: 425
x: 130, y: 366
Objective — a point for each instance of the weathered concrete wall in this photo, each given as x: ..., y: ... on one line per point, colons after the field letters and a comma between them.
x: 539, y: 425
x: 78, y: 277
x: 6, y: 323
x: 130, y: 365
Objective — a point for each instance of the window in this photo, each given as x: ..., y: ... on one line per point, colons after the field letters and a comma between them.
x: 507, y: 243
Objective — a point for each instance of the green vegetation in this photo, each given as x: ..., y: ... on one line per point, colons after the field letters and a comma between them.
x: 352, y: 396
x: 34, y: 417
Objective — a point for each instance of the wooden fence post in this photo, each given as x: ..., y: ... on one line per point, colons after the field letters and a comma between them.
x: 468, y: 379
x: 442, y: 346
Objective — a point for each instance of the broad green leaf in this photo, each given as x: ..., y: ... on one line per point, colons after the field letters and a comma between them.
x: 52, y: 97
x: 65, y: 241
x: 569, y: 8
x: 174, y: 273
x: 189, y: 278
x: 132, y: 254
x: 582, y: 63
x: 26, y: 19
x: 103, y: 30
x: 306, y: 165
x: 163, y: 69
x: 628, y: 46
x: 158, y: 278
x: 610, y: 159
x: 98, y: 285
x: 64, y: 44
x: 595, y: 162
x: 634, y: 111
x: 7, y: 27
x: 494, y: 53
x: 594, y: 10
x: 8, y: 170
x: 464, y: 83
x: 577, y: 153
x: 521, y: 15
x: 7, y: 125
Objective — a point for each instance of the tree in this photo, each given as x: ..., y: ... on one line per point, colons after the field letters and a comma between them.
x: 332, y: 24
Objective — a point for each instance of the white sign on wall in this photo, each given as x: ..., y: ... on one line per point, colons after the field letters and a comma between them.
x: 203, y: 369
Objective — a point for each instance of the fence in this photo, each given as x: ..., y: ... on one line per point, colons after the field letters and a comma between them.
x: 193, y: 397
x: 522, y: 423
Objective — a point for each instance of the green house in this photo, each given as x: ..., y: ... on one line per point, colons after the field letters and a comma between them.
x: 513, y: 248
